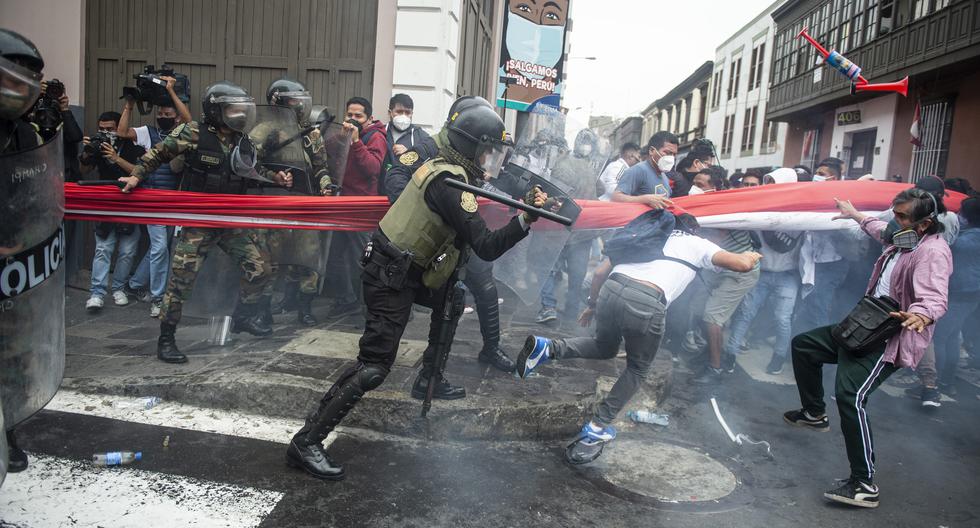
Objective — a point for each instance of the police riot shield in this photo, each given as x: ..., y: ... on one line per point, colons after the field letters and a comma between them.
x: 279, y: 141
x: 336, y: 145
x: 32, y: 282
x: 558, y: 155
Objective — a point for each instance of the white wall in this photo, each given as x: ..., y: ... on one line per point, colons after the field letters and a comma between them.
x: 57, y: 28
x: 426, y: 44
x: 762, y: 27
x: 876, y: 113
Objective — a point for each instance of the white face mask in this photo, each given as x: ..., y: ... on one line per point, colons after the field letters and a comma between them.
x: 819, y: 178
x: 665, y: 163
x: 401, y: 122
x: 695, y: 191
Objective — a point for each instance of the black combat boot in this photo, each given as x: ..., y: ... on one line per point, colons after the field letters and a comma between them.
x: 264, y: 311
x: 304, y: 313
x: 17, y: 456
x: 306, y: 449
x: 489, y: 313
x: 167, y: 350
x: 246, y: 319
x: 288, y: 302
x: 444, y: 389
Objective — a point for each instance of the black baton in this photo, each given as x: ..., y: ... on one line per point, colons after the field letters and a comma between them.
x: 510, y: 202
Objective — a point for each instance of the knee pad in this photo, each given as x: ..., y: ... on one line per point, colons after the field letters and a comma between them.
x: 371, y: 375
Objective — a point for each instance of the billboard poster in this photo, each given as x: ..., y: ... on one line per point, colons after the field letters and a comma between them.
x: 532, y: 54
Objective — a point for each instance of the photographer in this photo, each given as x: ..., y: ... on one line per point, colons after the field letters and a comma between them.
x: 151, y: 273
x: 114, y: 157
x: 52, y: 112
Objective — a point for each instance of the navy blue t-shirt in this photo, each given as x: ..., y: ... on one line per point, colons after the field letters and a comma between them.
x: 643, y: 178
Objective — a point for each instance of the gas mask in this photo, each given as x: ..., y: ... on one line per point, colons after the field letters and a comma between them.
x: 665, y: 163
x: 900, y: 237
x: 401, y: 122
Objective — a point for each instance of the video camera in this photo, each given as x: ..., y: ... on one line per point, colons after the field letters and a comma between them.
x: 47, y: 109
x: 152, y: 89
x: 94, y: 147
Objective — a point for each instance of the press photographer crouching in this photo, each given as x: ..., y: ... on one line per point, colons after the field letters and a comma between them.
x: 889, y: 329
x: 112, y: 157
x: 151, y: 273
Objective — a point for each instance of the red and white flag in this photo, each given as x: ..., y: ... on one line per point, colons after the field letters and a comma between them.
x: 916, y: 130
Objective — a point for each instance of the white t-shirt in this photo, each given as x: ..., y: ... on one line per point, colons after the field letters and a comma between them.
x: 673, y: 277
x: 143, y: 137
x: 610, y: 178
x: 884, y: 286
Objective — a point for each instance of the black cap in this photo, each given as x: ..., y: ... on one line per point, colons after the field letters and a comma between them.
x: 931, y: 185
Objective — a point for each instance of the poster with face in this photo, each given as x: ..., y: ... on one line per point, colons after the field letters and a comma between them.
x: 532, y: 54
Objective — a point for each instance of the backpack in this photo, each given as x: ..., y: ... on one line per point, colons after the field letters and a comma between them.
x: 641, y: 240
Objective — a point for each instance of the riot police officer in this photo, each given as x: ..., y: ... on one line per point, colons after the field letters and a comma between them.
x: 479, y: 273
x: 20, y: 77
x: 301, y: 282
x: 218, y: 158
x: 413, y: 258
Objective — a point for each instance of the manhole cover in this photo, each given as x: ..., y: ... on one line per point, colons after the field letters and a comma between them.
x: 664, y: 472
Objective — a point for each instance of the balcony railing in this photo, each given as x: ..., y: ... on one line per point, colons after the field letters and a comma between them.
x: 922, y: 45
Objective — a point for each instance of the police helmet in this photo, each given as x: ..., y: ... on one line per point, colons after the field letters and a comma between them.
x: 478, y: 133
x: 467, y: 101
x: 20, y: 74
x: 226, y: 104
x: 291, y: 94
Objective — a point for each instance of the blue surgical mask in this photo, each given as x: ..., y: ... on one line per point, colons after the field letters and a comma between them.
x: 534, y: 43
x: 819, y: 178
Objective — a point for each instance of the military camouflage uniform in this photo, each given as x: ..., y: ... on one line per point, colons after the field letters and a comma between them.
x: 194, y: 243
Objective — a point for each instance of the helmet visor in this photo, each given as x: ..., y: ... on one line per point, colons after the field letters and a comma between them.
x: 19, y: 89
x: 492, y: 156
x: 237, y: 112
x: 300, y: 102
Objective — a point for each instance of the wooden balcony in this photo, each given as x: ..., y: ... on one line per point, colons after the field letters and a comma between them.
x: 939, y: 39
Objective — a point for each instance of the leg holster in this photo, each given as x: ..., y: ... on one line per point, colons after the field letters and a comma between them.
x: 339, y: 400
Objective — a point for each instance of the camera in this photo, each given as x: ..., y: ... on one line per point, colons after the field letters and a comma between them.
x: 94, y: 147
x: 47, y: 109
x: 151, y: 89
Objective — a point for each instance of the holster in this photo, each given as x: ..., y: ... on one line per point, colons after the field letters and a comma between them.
x: 388, y: 264
x: 868, y: 325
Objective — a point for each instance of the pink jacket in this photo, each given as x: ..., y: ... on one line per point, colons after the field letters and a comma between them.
x: 919, y: 283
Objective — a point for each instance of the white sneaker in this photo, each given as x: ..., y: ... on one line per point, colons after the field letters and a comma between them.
x: 155, y: 308
x: 120, y: 298
x: 94, y: 304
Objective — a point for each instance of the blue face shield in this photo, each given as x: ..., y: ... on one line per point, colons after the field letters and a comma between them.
x: 534, y: 43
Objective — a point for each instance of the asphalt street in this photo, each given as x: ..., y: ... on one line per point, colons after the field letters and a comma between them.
x: 223, y: 469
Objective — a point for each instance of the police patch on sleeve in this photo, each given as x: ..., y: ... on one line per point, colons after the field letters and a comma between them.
x: 468, y: 202
x: 409, y: 158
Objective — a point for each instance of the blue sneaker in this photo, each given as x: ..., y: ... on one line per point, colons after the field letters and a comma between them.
x: 592, y: 433
x: 536, y: 351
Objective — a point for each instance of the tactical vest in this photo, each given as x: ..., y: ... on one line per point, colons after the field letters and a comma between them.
x: 164, y: 177
x: 208, y: 169
x: 411, y: 226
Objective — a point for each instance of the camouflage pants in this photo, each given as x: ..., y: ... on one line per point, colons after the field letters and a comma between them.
x: 244, y: 245
x: 299, y: 244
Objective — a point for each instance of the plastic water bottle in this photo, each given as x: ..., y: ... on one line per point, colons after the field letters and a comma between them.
x: 641, y: 416
x: 116, y: 458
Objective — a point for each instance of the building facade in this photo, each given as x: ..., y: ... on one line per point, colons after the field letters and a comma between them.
x: 682, y: 110
x: 434, y: 50
x: 744, y: 138
x: 629, y: 130
x: 936, y: 43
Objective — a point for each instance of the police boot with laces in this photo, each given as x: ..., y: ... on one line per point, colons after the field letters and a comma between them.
x: 495, y: 357
x: 246, y: 319
x: 167, y: 350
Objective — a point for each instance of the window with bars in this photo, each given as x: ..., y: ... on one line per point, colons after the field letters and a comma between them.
x: 727, y: 136
x: 734, y: 76
x: 755, y: 68
x: 716, y: 83
x: 748, y: 130
x: 935, y: 124
x: 922, y: 8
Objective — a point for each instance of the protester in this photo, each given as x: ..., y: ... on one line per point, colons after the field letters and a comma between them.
x: 700, y: 157
x: 403, y: 136
x: 913, y: 270
x: 631, y: 305
x: 629, y: 155
x: 647, y: 182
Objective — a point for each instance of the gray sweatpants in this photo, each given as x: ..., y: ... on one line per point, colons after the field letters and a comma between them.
x: 626, y: 309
